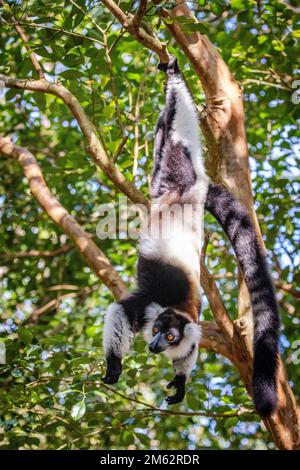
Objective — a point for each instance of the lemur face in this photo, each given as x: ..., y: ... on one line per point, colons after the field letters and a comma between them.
x: 167, y: 331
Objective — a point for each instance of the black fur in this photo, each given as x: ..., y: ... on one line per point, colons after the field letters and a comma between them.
x: 170, y: 67
x: 152, y: 276
x: 162, y: 283
x: 234, y: 219
x: 113, y: 369
x: 170, y: 319
x: 179, y: 384
x: 134, y: 307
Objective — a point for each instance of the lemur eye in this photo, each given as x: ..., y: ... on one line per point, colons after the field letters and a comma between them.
x: 154, y: 330
x: 170, y: 337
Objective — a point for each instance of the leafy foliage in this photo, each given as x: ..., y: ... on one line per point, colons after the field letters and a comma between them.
x: 51, y: 394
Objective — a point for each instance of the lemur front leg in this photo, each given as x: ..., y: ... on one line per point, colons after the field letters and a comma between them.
x: 178, y: 383
x: 183, y: 367
x: 117, y: 338
x: 123, y: 319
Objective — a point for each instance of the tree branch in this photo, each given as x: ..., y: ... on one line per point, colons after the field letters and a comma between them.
x: 90, y: 133
x: 286, y: 287
x: 81, y: 239
x: 139, y: 32
x: 37, y: 253
x: 216, y: 302
x: 213, y: 339
x: 136, y: 20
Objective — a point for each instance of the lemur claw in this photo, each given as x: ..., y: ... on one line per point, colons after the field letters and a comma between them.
x: 171, y: 384
x: 110, y: 378
x: 174, y: 399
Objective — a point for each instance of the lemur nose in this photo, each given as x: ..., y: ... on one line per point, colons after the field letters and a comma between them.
x: 154, y: 348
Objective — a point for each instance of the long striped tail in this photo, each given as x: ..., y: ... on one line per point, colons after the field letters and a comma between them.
x: 235, y: 221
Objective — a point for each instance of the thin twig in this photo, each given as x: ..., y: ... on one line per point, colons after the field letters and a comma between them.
x: 37, y: 253
x: 88, y: 16
x: 137, y: 18
x: 56, y: 29
x: 113, y: 85
x: 136, y: 130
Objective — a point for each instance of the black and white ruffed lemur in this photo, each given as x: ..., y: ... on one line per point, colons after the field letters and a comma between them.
x: 167, y: 302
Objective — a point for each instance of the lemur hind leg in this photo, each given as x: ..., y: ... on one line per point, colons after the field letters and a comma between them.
x: 123, y: 319
x: 177, y: 147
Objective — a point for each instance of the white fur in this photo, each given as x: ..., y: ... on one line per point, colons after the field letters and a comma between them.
x: 186, y: 128
x: 191, y: 335
x: 186, y: 364
x: 117, y: 334
x: 185, y: 355
x: 152, y: 311
x: 177, y: 240
x: 180, y: 251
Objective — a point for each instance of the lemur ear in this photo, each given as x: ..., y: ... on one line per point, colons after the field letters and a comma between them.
x: 193, y: 332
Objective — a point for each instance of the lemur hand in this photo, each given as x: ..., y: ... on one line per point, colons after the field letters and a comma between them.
x: 179, y: 383
x: 113, y: 369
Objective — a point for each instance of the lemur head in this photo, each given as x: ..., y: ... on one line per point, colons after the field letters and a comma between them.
x: 167, y: 330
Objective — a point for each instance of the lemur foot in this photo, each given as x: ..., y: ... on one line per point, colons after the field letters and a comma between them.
x: 179, y: 384
x: 170, y: 67
x: 113, y: 369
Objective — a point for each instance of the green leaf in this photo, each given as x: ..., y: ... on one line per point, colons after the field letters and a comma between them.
x: 241, y: 4
x: 193, y: 402
x: 134, y: 76
x: 17, y: 373
x: 25, y: 336
x: 78, y: 410
x: 278, y: 45
x: 71, y: 74
x: 43, y: 52
x: 230, y: 422
x: 81, y: 360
